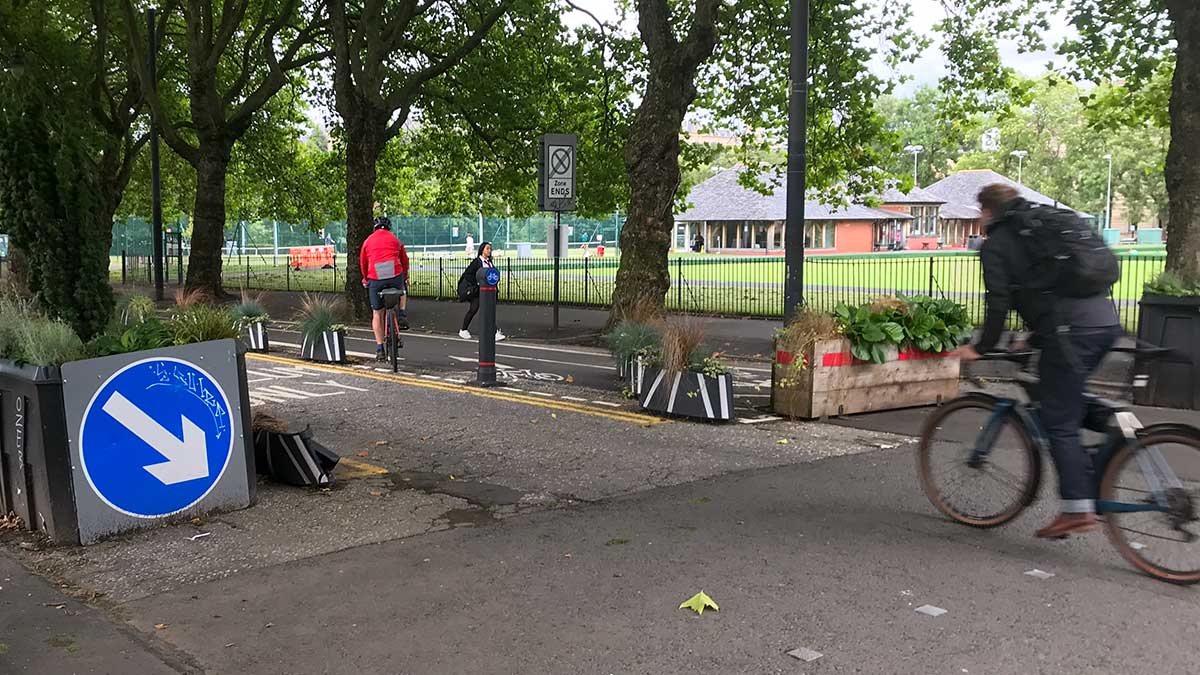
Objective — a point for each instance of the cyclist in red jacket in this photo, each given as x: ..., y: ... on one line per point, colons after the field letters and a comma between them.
x: 383, y: 263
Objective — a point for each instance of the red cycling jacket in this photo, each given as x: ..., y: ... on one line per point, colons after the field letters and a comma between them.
x: 382, y: 256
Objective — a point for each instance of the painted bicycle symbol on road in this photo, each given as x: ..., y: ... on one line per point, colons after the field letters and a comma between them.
x: 527, y: 374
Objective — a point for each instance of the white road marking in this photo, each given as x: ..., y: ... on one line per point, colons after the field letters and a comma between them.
x: 331, y: 383
x: 542, y: 393
x: 759, y: 420
x: 607, y: 403
x: 574, y: 398
x: 930, y: 610
x: 804, y: 654
x: 430, y: 377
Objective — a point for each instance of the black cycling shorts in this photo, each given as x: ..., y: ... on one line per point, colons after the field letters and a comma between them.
x: 376, y: 285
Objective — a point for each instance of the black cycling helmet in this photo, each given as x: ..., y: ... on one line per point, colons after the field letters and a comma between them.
x: 382, y: 223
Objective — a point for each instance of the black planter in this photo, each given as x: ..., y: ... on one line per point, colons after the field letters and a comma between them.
x: 256, y: 337
x: 328, y: 347
x: 687, y: 394
x: 1174, y: 323
x: 633, y: 372
x: 35, y: 459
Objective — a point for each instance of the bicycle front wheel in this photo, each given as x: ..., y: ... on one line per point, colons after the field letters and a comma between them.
x: 1150, y: 496
x: 978, y: 463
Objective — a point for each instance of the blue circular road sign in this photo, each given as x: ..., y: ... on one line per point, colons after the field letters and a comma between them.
x: 156, y: 437
x: 493, y: 276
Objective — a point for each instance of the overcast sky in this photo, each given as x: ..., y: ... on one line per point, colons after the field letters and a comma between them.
x: 926, y: 70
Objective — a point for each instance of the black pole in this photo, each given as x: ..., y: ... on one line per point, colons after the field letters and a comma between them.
x: 487, y: 334
x: 554, y: 248
x: 155, y: 177
x: 793, y: 288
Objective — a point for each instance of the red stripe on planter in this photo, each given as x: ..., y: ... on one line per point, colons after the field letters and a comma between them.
x: 835, y: 359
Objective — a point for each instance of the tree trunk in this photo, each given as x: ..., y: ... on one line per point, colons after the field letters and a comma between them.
x: 208, y: 230
x: 652, y: 163
x: 1183, y: 158
x: 365, y: 140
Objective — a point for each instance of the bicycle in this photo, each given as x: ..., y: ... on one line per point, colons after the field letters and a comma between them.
x: 992, y: 440
x: 392, y: 343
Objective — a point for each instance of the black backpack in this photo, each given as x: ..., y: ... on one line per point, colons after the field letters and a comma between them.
x: 1070, y: 258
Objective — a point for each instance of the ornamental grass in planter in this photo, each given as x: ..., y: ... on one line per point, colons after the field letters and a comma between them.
x: 320, y: 323
x: 630, y: 343
x: 684, y: 378
x: 251, y: 320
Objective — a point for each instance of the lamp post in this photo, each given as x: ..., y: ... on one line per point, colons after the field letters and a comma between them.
x: 914, y: 150
x: 1020, y: 155
x: 1108, y: 195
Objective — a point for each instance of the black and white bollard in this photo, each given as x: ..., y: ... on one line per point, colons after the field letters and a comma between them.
x: 488, y: 278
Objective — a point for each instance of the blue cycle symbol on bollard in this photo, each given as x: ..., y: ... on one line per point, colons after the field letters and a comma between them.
x: 493, y: 276
x: 156, y: 437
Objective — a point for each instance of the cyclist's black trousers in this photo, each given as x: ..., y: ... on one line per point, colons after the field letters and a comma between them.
x: 1063, y: 375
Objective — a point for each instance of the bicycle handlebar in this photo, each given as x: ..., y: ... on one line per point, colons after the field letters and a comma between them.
x: 1024, y: 356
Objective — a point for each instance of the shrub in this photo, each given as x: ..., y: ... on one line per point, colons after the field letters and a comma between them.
x: 149, y: 334
x: 47, y: 342
x: 200, y: 323
x: 318, y: 314
x: 805, y: 328
x: 630, y: 338
x: 185, y: 298
x: 27, y: 336
x: 935, y: 325
x: 1175, y: 284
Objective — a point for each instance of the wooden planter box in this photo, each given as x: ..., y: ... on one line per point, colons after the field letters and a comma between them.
x: 256, y: 337
x: 329, y: 347
x: 687, y: 394
x: 836, y: 383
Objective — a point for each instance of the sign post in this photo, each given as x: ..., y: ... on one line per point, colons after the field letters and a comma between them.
x: 489, y: 279
x: 556, y: 192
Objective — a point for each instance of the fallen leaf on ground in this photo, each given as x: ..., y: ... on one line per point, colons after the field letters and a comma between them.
x: 160, y: 626
x: 55, y: 605
x: 197, y: 521
x: 566, y: 555
x: 554, y: 415
x: 570, y: 379
x: 782, y: 441
x: 699, y: 602
x: 364, y: 453
x: 379, y: 443
x: 451, y: 476
x: 533, y: 421
x: 424, y: 438
x: 376, y: 493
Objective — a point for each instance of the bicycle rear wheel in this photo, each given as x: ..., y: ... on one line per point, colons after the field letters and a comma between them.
x: 393, y: 332
x: 1002, y: 482
x: 1162, y: 470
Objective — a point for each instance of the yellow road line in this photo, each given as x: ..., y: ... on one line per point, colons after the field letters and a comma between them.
x: 495, y: 394
x: 357, y: 469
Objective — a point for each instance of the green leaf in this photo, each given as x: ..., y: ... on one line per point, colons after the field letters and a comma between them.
x: 700, y: 602
x: 860, y: 351
x: 877, y: 354
x: 893, y: 331
x: 873, y: 333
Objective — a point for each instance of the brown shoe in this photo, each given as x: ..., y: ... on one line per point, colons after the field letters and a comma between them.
x: 1068, y: 523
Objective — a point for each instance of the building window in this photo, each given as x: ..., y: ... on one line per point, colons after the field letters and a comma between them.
x: 819, y: 235
x: 777, y: 236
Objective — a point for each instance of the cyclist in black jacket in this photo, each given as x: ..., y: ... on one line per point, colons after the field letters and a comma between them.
x: 1074, y: 334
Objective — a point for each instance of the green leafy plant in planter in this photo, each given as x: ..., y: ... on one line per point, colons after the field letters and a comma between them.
x: 148, y: 334
x: 1175, y: 285
x: 934, y: 325
x: 869, y: 332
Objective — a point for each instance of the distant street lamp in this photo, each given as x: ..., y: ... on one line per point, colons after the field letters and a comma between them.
x: 1020, y: 155
x: 1108, y: 196
x: 914, y: 150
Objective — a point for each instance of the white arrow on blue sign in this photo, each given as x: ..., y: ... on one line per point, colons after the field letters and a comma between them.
x: 156, y: 437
